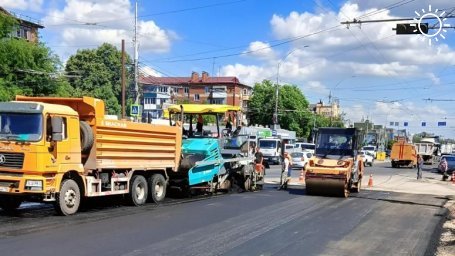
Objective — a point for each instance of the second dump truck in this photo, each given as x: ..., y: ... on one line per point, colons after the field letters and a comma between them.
x: 335, y: 168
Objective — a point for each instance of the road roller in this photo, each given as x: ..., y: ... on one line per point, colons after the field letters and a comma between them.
x: 335, y: 169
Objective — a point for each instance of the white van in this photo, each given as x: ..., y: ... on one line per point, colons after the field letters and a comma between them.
x: 308, y: 147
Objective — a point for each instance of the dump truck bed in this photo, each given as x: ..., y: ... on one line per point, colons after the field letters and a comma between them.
x: 122, y: 144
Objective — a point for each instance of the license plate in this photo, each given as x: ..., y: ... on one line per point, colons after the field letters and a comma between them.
x: 4, y: 189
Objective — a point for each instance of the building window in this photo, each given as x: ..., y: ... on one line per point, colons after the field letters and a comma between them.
x: 149, y: 101
x: 218, y: 101
x: 163, y: 89
x: 196, y: 97
x: 207, y: 89
x: 245, y: 91
x: 186, y: 89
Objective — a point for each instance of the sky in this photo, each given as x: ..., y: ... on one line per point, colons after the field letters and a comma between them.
x: 374, y: 73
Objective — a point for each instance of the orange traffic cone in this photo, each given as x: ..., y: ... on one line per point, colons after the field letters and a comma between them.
x: 370, y: 181
x: 302, y: 175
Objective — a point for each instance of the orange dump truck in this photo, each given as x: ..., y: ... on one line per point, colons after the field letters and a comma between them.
x: 403, y: 154
x: 62, y: 150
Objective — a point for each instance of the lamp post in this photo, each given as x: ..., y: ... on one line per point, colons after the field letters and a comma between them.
x: 275, y: 114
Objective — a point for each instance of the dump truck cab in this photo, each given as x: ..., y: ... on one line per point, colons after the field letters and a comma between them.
x: 335, y: 168
x: 37, y: 146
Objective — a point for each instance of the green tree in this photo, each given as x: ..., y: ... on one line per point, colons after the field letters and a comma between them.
x: 7, y: 25
x: 293, y: 113
x: 27, y: 68
x: 98, y: 74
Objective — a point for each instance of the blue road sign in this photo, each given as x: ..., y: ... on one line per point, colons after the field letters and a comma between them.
x: 135, y: 110
x: 274, y: 133
x: 424, y: 123
x: 442, y: 123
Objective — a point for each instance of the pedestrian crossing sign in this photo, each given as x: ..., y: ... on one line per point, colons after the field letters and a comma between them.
x: 135, y: 110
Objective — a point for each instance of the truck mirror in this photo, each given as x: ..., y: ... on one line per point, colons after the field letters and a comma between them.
x: 57, y: 128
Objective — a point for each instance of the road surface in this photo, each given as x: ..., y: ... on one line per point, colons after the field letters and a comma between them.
x: 268, y: 222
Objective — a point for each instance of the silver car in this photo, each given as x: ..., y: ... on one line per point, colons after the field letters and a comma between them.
x: 300, y: 159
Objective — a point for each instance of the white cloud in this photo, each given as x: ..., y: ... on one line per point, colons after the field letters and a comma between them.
x: 315, y: 87
x: 33, y: 5
x: 260, y: 50
x: 247, y: 74
x: 90, y: 22
x: 148, y: 71
x: 372, y: 49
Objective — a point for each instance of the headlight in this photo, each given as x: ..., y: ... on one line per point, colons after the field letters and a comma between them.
x: 34, y: 185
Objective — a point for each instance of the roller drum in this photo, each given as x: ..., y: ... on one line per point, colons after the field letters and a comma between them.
x: 326, y: 187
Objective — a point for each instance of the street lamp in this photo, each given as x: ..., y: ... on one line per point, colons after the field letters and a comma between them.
x: 275, y: 114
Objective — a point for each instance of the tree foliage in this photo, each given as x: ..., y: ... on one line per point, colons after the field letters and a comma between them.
x: 97, y: 73
x: 7, y: 25
x: 27, y: 68
x: 293, y: 112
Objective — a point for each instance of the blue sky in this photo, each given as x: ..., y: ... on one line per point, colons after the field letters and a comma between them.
x: 373, y: 72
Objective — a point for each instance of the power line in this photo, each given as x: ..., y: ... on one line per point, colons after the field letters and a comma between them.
x: 263, y: 48
x: 355, y: 21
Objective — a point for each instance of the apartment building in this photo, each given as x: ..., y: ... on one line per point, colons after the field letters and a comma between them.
x: 27, y: 27
x: 161, y: 91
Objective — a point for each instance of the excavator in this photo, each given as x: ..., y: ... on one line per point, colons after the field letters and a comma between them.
x: 335, y: 169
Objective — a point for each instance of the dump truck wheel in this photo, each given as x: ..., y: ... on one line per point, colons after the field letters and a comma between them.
x: 87, y: 138
x: 138, y: 190
x: 10, y: 204
x: 158, y: 186
x: 69, y: 199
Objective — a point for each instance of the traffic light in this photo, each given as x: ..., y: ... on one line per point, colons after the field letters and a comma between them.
x: 411, y: 28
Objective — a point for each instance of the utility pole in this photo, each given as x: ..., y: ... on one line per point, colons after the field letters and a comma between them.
x: 123, y: 80
x: 136, y: 57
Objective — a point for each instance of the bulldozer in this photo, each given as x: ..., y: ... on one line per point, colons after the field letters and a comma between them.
x: 335, y: 169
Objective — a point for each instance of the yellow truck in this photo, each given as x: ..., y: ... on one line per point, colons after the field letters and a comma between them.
x: 62, y: 150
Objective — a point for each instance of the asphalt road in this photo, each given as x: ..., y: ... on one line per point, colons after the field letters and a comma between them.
x: 268, y: 222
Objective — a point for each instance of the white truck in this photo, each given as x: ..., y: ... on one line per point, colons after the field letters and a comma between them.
x: 271, y: 149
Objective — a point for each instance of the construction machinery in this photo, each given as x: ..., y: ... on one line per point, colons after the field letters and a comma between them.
x: 335, y: 169
x: 213, y: 161
x: 429, y: 149
x: 64, y: 150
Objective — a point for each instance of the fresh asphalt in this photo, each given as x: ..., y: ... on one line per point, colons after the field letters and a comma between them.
x: 268, y: 222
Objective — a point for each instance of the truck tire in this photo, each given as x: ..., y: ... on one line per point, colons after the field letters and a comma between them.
x: 69, y: 199
x: 138, y: 190
x: 87, y: 137
x: 10, y: 204
x: 157, y: 184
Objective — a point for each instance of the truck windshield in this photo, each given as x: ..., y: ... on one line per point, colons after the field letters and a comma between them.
x: 267, y: 144
x: 21, y: 127
x: 308, y: 146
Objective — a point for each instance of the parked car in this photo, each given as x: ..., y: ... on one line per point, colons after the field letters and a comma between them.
x: 300, y: 159
x: 368, y: 158
x: 450, y: 164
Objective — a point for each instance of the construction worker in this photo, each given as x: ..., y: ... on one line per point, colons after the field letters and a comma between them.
x: 444, y: 167
x: 419, y: 166
x: 285, y: 171
x: 259, y: 159
x: 199, y: 124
